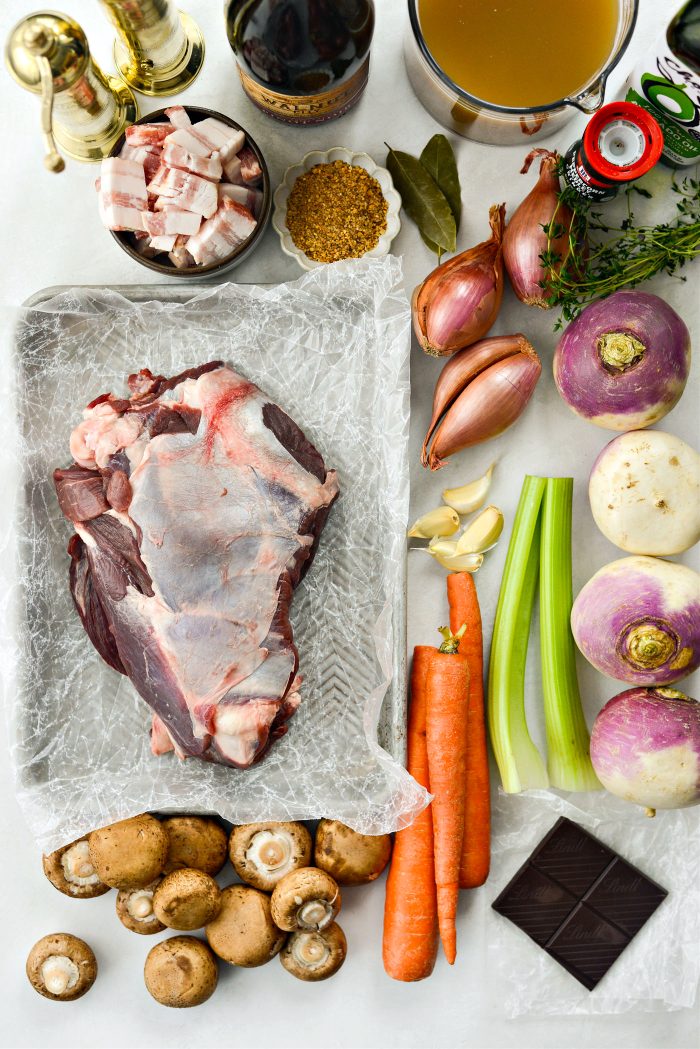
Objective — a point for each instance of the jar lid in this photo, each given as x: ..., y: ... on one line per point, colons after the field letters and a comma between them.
x: 623, y: 141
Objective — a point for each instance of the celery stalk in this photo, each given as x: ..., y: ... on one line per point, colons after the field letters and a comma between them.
x: 568, y: 742
x: 518, y: 759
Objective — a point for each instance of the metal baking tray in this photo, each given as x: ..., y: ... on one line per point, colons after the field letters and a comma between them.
x: 41, y: 508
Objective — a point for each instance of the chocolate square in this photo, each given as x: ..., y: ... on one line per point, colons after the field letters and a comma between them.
x: 535, y: 903
x: 587, y: 945
x: 579, y: 900
x: 571, y: 856
x: 625, y: 896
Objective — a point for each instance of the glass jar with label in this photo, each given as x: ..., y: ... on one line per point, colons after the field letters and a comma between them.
x: 667, y: 83
x: 301, y: 61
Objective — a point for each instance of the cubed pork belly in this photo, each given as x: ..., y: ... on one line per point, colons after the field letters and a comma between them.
x: 219, y: 137
x: 164, y: 243
x: 180, y: 256
x: 187, y: 191
x: 171, y: 221
x: 224, y: 231
x: 248, y: 196
x: 186, y: 137
x: 148, y: 134
x: 122, y: 194
x: 177, y: 115
x: 178, y: 157
x: 250, y: 165
x: 232, y: 170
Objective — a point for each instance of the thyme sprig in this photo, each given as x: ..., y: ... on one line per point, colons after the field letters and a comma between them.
x: 616, y: 256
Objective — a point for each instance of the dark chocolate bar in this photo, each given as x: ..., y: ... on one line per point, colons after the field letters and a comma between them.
x: 579, y: 901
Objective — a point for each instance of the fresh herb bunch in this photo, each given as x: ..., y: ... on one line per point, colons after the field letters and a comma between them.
x: 602, y: 259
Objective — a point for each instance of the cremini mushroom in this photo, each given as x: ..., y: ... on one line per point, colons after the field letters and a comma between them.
x: 194, y: 841
x: 315, y: 955
x: 349, y: 857
x: 243, y: 933
x: 61, y: 967
x: 70, y: 870
x: 129, y: 854
x: 305, y: 899
x: 186, y: 899
x: 262, y: 853
x: 135, y: 910
x: 180, y: 972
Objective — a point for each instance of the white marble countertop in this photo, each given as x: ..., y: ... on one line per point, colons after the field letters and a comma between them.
x: 52, y: 235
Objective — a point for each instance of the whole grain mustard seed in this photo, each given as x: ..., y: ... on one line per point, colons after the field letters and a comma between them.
x: 336, y: 211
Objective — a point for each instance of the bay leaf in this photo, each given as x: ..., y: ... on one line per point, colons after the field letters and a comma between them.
x: 439, y: 161
x: 422, y: 199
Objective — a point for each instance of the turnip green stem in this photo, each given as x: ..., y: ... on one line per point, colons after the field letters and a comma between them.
x: 518, y: 759
x: 568, y: 742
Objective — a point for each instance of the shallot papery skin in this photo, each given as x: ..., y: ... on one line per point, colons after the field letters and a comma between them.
x: 645, y: 748
x: 638, y: 620
x: 458, y: 302
x: 487, y: 406
x: 465, y: 366
x: 525, y: 239
x: 623, y: 362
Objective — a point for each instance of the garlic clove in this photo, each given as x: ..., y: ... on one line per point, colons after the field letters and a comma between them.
x: 482, y: 533
x: 471, y: 496
x: 442, y: 547
x: 442, y: 521
x: 461, y: 562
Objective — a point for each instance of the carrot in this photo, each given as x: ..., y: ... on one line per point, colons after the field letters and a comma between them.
x: 476, y: 850
x: 410, y: 911
x: 447, y: 697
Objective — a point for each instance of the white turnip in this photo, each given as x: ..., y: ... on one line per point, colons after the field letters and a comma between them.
x: 645, y: 748
x: 644, y: 491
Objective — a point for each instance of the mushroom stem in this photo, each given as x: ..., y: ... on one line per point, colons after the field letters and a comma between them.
x: 315, y: 914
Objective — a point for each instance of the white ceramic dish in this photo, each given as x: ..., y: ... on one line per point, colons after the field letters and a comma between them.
x: 316, y: 156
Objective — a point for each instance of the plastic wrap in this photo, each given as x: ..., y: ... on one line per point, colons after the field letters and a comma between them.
x: 660, y: 969
x: 332, y: 349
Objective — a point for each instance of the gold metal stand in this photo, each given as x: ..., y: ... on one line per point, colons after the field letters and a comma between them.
x: 159, y: 50
x: 84, y: 111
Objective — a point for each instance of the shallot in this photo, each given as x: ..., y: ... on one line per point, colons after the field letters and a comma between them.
x: 541, y: 224
x: 645, y: 748
x: 480, y: 393
x: 458, y: 302
x: 624, y: 362
x: 645, y: 493
x: 638, y: 620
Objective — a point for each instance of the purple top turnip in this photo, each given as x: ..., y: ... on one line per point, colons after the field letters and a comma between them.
x: 623, y: 362
x: 645, y: 748
x: 638, y: 620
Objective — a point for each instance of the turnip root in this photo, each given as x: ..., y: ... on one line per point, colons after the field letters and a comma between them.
x: 638, y: 620
x: 645, y: 748
x: 623, y: 362
x: 645, y: 493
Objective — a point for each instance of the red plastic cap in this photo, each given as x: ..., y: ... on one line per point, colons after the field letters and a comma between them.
x: 644, y: 121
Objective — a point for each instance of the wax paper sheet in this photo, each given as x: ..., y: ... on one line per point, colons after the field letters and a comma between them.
x: 660, y: 969
x: 332, y: 349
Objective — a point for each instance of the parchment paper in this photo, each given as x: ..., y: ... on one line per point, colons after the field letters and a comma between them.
x: 332, y: 349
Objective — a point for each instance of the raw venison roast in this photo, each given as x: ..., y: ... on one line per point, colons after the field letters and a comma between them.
x: 197, y: 505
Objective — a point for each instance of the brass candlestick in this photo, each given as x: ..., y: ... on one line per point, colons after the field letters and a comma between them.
x: 159, y: 50
x: 83, y: 110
